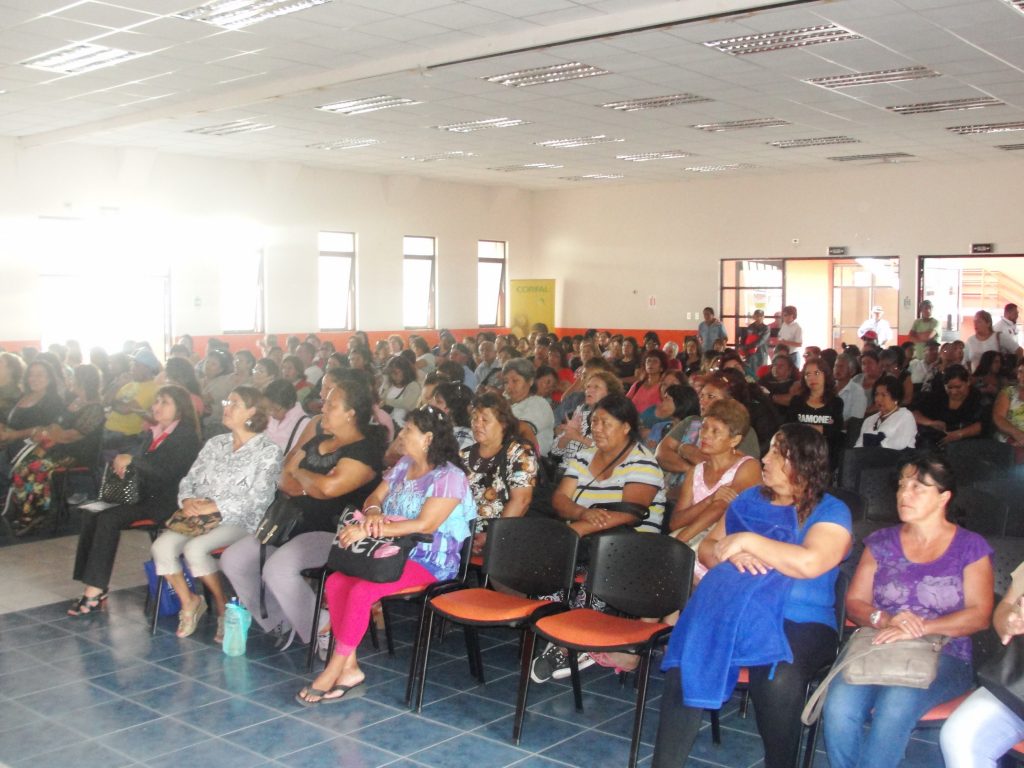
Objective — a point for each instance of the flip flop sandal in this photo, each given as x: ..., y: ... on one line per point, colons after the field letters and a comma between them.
x: 345, y: 692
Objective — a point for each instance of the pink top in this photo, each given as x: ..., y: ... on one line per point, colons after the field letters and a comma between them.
x: 644, y: 397
x: 701, y: 491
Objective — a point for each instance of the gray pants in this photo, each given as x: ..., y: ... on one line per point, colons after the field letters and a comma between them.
x: 288, y: 595
x: 197, y: 549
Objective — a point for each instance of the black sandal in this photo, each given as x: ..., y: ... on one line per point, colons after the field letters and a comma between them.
x: 86, y: 605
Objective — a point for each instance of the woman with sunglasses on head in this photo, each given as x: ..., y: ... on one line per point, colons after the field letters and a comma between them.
x: 426, y: 492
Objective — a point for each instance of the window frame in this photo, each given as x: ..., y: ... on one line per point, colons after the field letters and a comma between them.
x: 259, y: 320
x: 502, y: 286
x: 432, y: 288
x: 350, y: 315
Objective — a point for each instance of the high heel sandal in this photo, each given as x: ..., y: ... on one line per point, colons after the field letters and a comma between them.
x: 86, y: 605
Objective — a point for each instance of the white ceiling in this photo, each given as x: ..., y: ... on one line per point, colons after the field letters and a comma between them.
x: 197, y: 75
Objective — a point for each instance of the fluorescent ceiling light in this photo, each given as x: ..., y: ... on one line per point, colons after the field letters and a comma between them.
x: 593, y: 177
x: 947, y: 106
x: 479, y: 125
x: 524, y: 167
x: 453, y: 155
x: 968, y: 130
x: 736, y: 125
x: 786, y: 38
x: 715, y: 168
x: 556, y: 73
x: 229, y: 129
x: 80, y: 57
x: 344, y: 144
x: 643, y: 157
x: 579, y: 141
x: 794, y: 143
x: 368, y: 104
x: 873, y: 78
x: 1009, y: 147
x: 883, y: 156
x: 236, y: 14
x: 655, y: 102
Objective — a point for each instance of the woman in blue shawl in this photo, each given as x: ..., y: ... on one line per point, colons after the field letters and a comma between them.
x: 767, y: 603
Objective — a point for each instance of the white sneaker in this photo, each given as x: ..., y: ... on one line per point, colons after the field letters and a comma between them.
x: 560, y: 672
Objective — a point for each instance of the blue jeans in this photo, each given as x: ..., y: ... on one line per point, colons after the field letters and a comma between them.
x: 980, y: 731
x: 893, y: 710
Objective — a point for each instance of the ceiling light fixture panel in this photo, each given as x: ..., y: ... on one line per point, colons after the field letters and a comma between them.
x: 479, y: 125
x: 950, y: 105
x: 883, y: 156
x: 368, y: 104
x: 555, y: 73
x: 593, y: 177
x: 716, y: 168
x: 232, y: 128
x: 1009, y: 147
x: 737, y: 125
x: 656, y: 102
x: 524, y: 167
x: 78, y: 58
x: 782, y: 39
x: 970, y: 130
x: 578, y: 141
x: 643, y: 157
x: 344, y: 144
x: 818, y: 142
x: 457, y: 154
x: 873, y: 78
x: 237, y: 14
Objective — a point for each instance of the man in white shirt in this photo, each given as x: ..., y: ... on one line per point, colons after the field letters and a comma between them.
x: 792, y: 335
x: 875, y: 323
x: 1007, y: 324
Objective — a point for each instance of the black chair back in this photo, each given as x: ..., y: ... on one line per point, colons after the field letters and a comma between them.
x: 532, y: 555
x: 979, y: 459
x: 642, y: 575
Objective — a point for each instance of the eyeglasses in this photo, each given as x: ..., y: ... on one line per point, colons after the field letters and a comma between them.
x: 232, y: 404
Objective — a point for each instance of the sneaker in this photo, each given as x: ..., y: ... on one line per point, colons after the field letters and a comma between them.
x: 582, y: 659
x: 546, y: 666
x: 323, y: 642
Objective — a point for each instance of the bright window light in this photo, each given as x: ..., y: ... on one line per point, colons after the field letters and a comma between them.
x: 490, y: 283
x: 418, y: 281
x: 336, y: 285
x: 241, y: 291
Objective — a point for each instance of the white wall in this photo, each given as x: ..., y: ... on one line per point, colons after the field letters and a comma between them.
x: 614, y: 246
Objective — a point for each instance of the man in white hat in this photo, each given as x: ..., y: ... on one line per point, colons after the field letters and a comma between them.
x: 875, y: 323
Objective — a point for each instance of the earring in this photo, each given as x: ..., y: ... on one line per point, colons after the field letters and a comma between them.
x: 248, y: 423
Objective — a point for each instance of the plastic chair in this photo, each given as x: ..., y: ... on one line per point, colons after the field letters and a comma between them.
x: 160, y: 581
x: 979, y: 459
x: 644, y: 575
x: 531, y: 555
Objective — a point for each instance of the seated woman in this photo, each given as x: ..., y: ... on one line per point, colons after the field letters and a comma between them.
x: 1008, y: 415
x: 286, y: 416
x: 818, y: 405
x: 983, y: 729
x: 264, y: 372
x: 646, y: 390
x: 871, y: 372
x: 73, y: 440
x: 234, y: 476
x: 429, y: 489
x: 180, y: 372
x: 717, y: 480
x: 243, y: 362
x: 892, y: 426
x: 987, y: 378
x: 680, y: 401
x: 574, y: 435
x: 501, y: 467
x: 425, y: 360
x: 160, y: 463
x: 12, y: 369
x: 400, y: 389
x: 216, y: 384
x: 337, y: 467
x: 778, y: 549
x: 454, y: 399
x: 39, y: 405
x: 779, y: 382
x: 617, y: 469
x: 949, y: 414
x: 536, y: 419
x: 294, y: 373
x: 855, y: 402
x: 925, y: 576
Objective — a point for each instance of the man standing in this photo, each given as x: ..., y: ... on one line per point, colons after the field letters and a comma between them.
x: 882, y: 329
x: 710, y: 330
x: 1006, y: 326
x: 755, y: 342
x: 792, y: 335
x: 924, y: 329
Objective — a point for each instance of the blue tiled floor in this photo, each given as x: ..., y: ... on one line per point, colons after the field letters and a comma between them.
x: 99, y: 691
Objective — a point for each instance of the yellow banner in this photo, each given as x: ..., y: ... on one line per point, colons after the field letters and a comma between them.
x: 532, y: 301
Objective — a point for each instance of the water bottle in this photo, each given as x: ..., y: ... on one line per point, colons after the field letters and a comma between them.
x: 237, y: 620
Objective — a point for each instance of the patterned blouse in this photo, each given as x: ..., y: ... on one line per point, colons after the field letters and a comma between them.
x: 242, y: 482
x: 493, y: 479
x: 1015, y: 413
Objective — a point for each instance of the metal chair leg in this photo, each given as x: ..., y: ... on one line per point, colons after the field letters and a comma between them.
x: 527, y: 642
x: 643, y: 678
x: 426, y: 660
x: 577, y: 689
x: 315, y: 629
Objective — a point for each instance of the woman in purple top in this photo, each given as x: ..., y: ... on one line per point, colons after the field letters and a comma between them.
x: 926, y: 576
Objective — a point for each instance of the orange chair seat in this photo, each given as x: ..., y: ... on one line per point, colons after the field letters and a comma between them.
x: 744, y: 677
x: 477, y: 560
x: 943, y: 710
x: 586, y: 628
x: 484, y: 606
x: 143, y: 524
x: 413, y: 590
x: 1018, y: 748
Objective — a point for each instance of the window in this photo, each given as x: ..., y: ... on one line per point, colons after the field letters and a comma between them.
x: 336, y: 289
x: 748, y: 285
x: 490, y: 283
x: 241, y: 292
x: 418, y: 282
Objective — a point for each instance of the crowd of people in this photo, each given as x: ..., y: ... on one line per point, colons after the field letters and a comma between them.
x: 730, y: 449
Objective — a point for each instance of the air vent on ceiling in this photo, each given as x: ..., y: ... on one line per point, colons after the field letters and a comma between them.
x: 555, y: 73
x: 230, y: 129
x: 786, y: 38
x: 578, y: 141
x: 968, y: 130
x: 1009, y: 147
x: 883, y: 156
x: 524, y: 167
x: 819, y: 142
x: 344, y: 144
x: 80, y: 57
x: 873, y: 78
x: 593, y: 177
x: 479, y: 125
x: 643, y: 157
x: 655, y: 102
x: 737, y: 125
x: 368, y: 104
x: 717, y: 168
x: 456, y: 154
x: 951, y: 105
x: 236, y: 14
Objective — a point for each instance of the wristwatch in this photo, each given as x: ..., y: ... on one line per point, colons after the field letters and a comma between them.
x: 875, y: 617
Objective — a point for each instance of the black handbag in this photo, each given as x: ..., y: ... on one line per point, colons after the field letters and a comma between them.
x: 1003, y: 675
x: 380, y: 560
x: 273, y: 530
x: 120, y: 490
